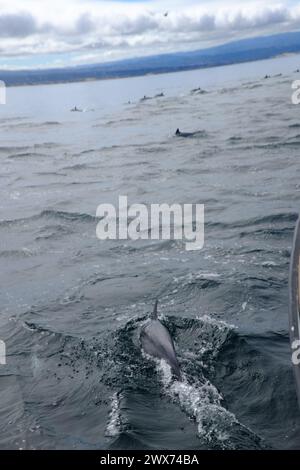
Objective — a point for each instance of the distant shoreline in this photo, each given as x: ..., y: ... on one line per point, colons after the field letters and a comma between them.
x: 141, y: 74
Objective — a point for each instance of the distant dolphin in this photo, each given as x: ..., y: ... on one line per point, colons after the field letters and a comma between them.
x: 178, y: 133
x: 198, y: 91
x: 76, y: 110
x: 145, y: 98
x: 157, y: 342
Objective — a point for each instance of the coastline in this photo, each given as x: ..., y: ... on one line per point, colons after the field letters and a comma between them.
x: 136, y: 75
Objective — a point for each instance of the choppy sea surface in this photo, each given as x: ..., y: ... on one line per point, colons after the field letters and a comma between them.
x: 71, y: 306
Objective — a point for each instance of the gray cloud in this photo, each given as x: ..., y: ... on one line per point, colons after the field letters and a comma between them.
x: 85, y: 24
x: 137, y: 30
x: 17, y: 25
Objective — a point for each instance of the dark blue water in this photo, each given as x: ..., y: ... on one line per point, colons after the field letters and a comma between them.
x: 72, y: 306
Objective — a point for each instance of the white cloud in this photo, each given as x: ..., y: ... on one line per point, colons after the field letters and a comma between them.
x: 93, y: 30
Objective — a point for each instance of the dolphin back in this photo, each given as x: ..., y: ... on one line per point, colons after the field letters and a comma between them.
x: 157, y: 342
x: 154, y: 313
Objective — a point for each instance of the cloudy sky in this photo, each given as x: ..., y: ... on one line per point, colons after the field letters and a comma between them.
x: 46, y: 33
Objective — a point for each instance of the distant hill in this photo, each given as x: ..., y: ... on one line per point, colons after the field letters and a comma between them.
x: 234, y: 52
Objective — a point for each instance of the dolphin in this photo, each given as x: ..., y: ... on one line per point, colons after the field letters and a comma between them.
x: 198, y: 91
x: 157, y: 342
x: 145, y: 98
x: 178, y: 133
x: 75, y: 109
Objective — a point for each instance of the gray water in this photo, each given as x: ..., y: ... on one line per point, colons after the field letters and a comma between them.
x: 72, y: 306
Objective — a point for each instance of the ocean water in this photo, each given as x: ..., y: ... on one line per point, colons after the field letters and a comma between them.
x: 72, y: 306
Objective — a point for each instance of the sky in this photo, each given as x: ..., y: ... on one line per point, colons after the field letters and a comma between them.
x: 58, y: 33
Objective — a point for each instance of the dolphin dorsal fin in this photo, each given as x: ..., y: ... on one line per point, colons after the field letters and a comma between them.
x: 154, y: 313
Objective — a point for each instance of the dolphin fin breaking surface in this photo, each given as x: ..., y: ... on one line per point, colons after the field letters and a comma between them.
x: 157, y: 342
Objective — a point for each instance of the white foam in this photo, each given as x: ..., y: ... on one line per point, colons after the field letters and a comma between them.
x: 191, y: 277
x: 269, y: 263
x: 221, y: 325
x: 114, y: 425
x: 201, y: 402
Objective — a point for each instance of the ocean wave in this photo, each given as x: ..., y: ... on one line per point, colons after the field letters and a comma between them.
x: 77, y: 166
x: 26, y: 155
x: 50, y: 173
x: 118, y: 122
x: 253, y: 86
x: 24, y: 149
x: 70, y: 216
x: 268, y: 232
x: 21, y: 253
x: 199, y: 280
x: 32, y: 125
x: 13, y: 149
x: 263, y: 283
x: 53, y: 232
x: 154, y: 149
x: 50, y: 214
x: 226, y: 90
x: 235, y: 138
x: 276, y: 218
